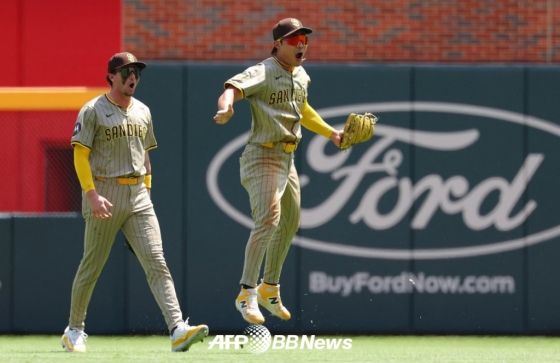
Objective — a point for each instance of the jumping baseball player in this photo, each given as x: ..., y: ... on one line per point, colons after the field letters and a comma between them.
x: 111, y: 140
x: 276, y: 89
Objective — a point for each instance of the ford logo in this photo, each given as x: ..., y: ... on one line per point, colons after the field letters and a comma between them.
x: 451, y: 196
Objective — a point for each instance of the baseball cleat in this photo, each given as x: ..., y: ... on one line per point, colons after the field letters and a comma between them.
x: 269, y: 297
x: 74, y: 340
x: 247, y: 305
x: 185, y: 335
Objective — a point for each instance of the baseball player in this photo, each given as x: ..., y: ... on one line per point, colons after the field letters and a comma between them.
x: 112, y: 136
x: 276, y: 89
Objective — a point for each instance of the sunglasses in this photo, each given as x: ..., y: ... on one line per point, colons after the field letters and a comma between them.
x: 126, y: 72
x: 295, y: 40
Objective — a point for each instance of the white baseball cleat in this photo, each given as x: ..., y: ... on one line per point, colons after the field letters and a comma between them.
x: 74, y: 340
x: 185, y: 335
x: 248, y: 306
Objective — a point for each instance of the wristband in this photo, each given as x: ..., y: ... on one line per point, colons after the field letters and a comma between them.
x: 148, y: 181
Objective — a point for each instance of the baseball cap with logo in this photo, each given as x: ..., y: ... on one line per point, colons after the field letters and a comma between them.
x: 123, y: 59
x: 287, y: 27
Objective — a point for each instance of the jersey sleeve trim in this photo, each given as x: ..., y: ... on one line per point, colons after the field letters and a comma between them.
x: 74, y: 143
x: 233, y: 85
x: 150, y: 148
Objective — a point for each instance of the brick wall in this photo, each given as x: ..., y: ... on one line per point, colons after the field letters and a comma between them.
x: 443, y: 31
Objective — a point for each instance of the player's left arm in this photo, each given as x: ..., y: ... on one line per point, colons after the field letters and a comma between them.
x: 313, y: 122
x: 150, y: 144
x: 148, y: 176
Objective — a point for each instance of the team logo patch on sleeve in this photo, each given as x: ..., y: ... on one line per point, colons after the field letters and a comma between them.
x: 77, y: 129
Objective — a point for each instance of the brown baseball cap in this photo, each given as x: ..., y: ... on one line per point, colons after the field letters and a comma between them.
x: 288, y: 26
x: 123, y: 59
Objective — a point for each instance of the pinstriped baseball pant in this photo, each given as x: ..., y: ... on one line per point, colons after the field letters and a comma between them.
x: 132, y: 212
x: 271, y: 180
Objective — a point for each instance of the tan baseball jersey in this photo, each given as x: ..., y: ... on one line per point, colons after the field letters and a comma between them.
x: 121, y: 136
x: 276, y: 98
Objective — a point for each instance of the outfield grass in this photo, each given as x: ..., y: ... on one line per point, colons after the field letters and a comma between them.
x: 139, y: 349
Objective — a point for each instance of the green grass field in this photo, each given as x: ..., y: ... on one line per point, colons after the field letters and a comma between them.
x: 137, y: 349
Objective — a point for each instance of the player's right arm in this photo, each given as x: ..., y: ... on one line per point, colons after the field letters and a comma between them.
x: 99, y: 205
x: 225, y: 104
x: 82, y: 139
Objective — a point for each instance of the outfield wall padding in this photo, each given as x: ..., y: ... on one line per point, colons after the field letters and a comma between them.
x: 446, y: 222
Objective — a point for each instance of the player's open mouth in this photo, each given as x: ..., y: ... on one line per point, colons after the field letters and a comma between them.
x: 131, y: 85
x: 299, y: 55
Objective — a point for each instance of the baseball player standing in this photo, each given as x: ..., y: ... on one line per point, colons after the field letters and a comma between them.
x: 276, y: 89
x: 111, y: 140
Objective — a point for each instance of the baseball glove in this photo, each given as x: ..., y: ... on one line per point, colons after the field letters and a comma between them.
x: 358, y: 128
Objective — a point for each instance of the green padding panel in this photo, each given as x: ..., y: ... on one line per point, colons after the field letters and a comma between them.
x: 543, y: 315
x: 449, y: 221
x: 467, y: 155
x: 333, y: 292
x: 47, y: 253
x: 6, y: 267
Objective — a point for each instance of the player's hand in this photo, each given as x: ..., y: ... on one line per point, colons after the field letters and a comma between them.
x: 99, y: 205
x: 223, y: 116
x: 336, y: 137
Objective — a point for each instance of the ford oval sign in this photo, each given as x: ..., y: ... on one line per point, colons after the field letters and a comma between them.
x: 448, y: 196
